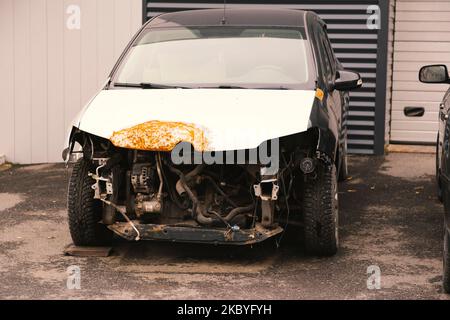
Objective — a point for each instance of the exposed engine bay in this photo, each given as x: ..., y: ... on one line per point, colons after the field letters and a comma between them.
x: 146, y: 196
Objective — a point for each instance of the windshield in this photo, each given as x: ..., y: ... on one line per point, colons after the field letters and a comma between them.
x: 217, y: 57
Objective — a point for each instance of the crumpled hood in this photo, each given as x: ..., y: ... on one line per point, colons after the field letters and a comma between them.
x: 220, y: 119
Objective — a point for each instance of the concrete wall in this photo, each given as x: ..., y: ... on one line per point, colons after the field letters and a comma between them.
x: 54, y: 56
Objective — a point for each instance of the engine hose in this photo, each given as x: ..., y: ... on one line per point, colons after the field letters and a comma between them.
x: 172, y: 195
x: 218, y: 216
x: 238, y: 211
x: 161, y: 179
x: 222, y: 193
x: 203, y: 220
x: 199, y: 215
x: 187, y: 189
x: 195, y: 172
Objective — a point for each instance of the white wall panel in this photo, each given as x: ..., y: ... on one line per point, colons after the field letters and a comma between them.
x: 22, y: 82
x: 7, y: 78
x: 89, y: 50
x: 72, y: 68
x: 49, y: 72
x: 422, y: 36
x: 38, y: 61
x: 55, y: 78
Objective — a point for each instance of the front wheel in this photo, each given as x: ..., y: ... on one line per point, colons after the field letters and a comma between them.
x: 85, y: 212
x: 320, y: 212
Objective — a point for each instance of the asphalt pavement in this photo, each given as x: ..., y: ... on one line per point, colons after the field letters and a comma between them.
x: 390, y: 222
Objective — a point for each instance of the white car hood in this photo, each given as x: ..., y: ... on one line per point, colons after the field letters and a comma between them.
x: 230, y: 119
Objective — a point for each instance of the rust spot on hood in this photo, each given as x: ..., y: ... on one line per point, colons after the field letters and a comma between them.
x: 160, y: 136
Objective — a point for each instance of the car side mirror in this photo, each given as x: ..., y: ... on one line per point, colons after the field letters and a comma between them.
x: 434, y: 74
x: 347, y: 81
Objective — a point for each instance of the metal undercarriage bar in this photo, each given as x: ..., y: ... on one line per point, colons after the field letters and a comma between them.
x: 194, y: 234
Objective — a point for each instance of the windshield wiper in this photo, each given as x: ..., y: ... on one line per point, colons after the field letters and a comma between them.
x: 223, y: 87
x: 148, y: 85
x: 247, y: 88
x: 273, y: 88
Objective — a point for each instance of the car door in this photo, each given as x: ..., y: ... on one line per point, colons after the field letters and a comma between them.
x: 334, y: 98
x: 444, y: 131
x: 342, y: 98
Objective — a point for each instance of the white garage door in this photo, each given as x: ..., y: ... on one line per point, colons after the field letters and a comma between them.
x: 422, y: 36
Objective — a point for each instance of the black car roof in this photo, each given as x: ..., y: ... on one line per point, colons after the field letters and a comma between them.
x: 247, y: 17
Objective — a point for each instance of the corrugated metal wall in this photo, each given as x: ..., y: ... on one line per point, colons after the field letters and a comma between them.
x: 48, y: 72
x: 422, y: 36
x: 357, y: 47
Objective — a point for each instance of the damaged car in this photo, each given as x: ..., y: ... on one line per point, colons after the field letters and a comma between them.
x: 438, y: 74
x: 217, y: 127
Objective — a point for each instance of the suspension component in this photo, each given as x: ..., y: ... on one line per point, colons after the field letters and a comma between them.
x: 267, y: 191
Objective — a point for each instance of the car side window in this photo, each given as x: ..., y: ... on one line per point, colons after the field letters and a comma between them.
x: 330, y: 62
x: 319, y: 54
x: 331, y: 53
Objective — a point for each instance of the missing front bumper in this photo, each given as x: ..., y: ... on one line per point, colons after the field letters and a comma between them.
x: 194, y: 234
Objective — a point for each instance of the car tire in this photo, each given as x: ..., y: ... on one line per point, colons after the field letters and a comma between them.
x: 85, y: 212
x: 321, y: 212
